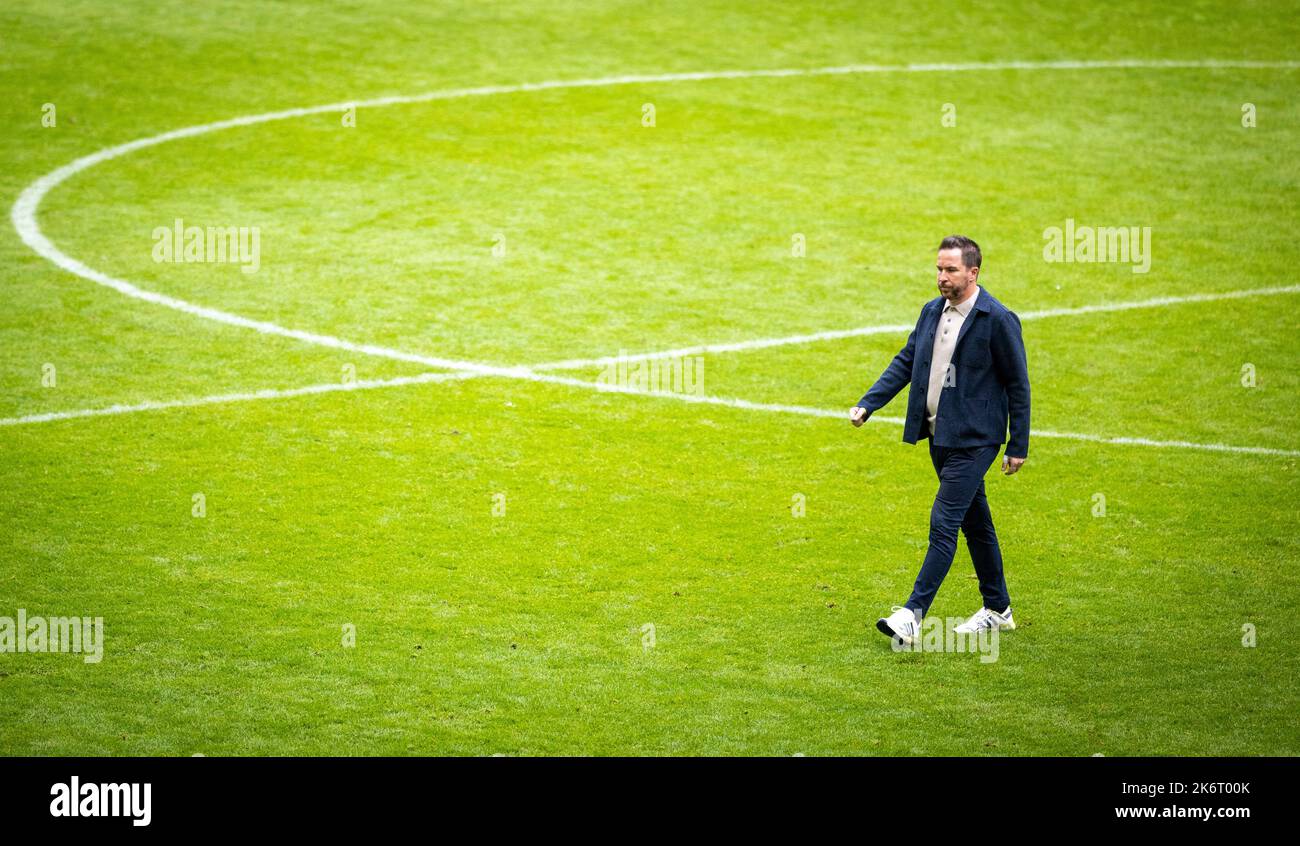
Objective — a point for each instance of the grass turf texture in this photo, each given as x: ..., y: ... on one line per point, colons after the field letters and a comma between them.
x: 521, y: 634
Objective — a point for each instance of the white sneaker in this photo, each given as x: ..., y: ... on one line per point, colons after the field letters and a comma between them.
x: 901, y: 625
x: 986, y: 618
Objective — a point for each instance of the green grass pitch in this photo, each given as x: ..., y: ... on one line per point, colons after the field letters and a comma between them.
x: 479, y: 632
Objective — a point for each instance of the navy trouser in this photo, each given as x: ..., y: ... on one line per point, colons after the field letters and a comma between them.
x: 961, y: 504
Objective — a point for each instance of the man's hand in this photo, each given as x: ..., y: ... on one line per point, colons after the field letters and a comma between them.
x: 1011, y: 465
x: 858, y: 415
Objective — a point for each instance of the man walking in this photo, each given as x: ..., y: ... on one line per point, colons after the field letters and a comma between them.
x: 965, y: 363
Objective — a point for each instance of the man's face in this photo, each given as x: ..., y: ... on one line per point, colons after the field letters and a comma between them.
x: 954, y: 278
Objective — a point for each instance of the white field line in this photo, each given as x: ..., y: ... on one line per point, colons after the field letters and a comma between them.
x: 247, y: 396
x: 24, y: 219
x: 836, y: 334
x: 743, y: 404
x: 325, y: 388
x: 528, y: 372
x: 843, y: 415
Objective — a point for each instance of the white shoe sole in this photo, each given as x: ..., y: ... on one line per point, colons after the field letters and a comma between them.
x: 883, y: 626
x: 1003, y: 627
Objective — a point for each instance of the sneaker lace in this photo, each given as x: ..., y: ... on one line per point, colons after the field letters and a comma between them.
x: 911, y: 615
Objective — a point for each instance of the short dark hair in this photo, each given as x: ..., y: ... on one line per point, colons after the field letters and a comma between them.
x: 970, y: 251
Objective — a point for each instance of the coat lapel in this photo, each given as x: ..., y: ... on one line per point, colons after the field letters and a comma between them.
x: 981, y: 305
x: 928, y: 330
